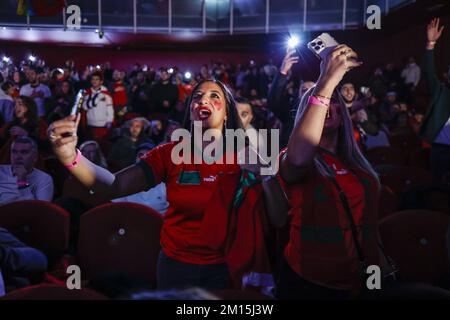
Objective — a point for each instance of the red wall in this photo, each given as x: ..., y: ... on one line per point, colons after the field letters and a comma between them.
x: 57, y: 55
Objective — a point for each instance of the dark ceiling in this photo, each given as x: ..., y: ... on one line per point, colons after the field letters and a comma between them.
x: 396, y: 20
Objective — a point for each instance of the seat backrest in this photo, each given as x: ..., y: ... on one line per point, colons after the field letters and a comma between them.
x: 386, y: 155
x: 53, y: 292
x: 119, y: 237
x: 420, y: 157
x: 39, y: 224
x: 400, y: 179
x: 416, y: 241
x: 388, y: 202
x: 406, y: 141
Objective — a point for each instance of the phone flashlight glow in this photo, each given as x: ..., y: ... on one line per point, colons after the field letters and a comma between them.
x: 293, y: 42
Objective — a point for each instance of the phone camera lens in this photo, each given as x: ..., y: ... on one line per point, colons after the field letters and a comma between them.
x: 319, y: 43
x: 313, y: 44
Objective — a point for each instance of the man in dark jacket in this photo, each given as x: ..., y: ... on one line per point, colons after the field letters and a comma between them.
x: 164, y: 94
x: 280, y: 103
x: 436, y: 126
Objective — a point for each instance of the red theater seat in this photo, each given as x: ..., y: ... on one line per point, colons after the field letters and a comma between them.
x: 420, y: 158
x: 39, y: 224
x: 416, y: 241
x: 119, y: 237
x: 404, y: 141
x: 400, y: 179
x: 386, y: 155
x: 53, y: 292
x: 388, y: 202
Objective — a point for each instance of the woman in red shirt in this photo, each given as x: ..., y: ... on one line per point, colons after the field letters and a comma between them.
x: 326, y: 180
x: 193, y: 233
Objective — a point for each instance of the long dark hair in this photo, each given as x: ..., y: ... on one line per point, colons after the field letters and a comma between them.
x: 31, y: 125
x: 31, y: 115
x: 233, y: 121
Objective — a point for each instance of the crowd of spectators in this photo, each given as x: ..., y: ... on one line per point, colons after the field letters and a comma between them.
x: 126, y: 113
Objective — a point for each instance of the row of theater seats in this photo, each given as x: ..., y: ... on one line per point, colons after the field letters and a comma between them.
x: 417, y: 240
x: 113, y: 237
x: 404, y: 168
x: 124, y: 237
x: 404, y: 150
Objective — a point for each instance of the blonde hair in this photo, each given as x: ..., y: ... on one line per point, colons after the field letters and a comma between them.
x: 347, y: 148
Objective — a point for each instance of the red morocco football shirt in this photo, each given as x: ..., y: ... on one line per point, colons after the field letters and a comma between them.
x: 190, y: 187
x: 325, y: 226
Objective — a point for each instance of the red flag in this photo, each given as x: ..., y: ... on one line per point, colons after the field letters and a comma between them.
x: 47, y: 7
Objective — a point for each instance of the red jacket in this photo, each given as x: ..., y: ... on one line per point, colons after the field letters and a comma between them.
x: 119, y: 94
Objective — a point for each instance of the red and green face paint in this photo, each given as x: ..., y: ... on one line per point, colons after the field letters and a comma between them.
x: 217, y: 105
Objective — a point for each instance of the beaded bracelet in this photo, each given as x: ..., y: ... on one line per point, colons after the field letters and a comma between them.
x: 321, y: 96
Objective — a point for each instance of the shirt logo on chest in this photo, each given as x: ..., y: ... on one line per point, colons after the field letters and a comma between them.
x: 339, y: 171
x: 211, y: 178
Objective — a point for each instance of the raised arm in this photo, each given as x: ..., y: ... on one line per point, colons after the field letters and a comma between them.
x: 279, y: 85
x: 63, y: 136
x: 433, y: 34
x: 307, y: 133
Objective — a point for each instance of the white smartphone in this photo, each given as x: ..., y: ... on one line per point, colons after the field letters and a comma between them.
x: 76, y: 108
x: 322, y: 45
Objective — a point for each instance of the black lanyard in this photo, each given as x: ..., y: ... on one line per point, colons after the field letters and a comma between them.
x: 354, y: 230
x: 348, y: 213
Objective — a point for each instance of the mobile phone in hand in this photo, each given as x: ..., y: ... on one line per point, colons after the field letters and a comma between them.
x: 322, y: 45
x: 76, y: 108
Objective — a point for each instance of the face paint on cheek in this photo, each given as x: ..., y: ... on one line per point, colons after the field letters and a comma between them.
x: 218, y: 105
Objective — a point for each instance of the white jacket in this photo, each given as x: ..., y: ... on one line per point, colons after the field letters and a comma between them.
x: 99, y: 106
x: 411, y: 74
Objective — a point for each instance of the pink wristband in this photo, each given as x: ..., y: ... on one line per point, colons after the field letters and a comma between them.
x: 22, y: 184
x: 76, y: 161
x: 317, y: 101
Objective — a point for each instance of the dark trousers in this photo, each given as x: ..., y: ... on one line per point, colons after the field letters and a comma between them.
x: 439, y: 160
x: 173, y: 274
x: 293, y: 287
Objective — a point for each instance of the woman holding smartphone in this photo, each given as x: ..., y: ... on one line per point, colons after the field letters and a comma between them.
x: 326, y: 178
x: 193, y: 235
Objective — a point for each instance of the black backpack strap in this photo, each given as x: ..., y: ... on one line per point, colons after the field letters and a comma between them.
x: 348, y: 213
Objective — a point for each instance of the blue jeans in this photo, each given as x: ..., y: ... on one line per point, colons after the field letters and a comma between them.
x: 173, y: 274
